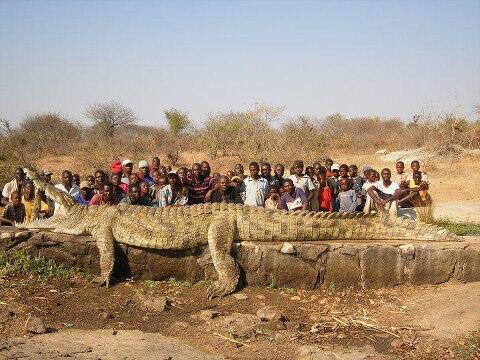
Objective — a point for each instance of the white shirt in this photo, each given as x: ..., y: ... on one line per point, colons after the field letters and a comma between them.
x: 9, y: 188
x: 304, y: 183
x: 256, y: 191
x: 386, y: 190
x: 74, y: 190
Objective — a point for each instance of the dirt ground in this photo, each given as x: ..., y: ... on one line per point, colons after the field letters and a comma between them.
x: 174, y: 320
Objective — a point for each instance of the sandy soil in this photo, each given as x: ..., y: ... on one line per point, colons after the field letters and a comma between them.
x: 87, y: 322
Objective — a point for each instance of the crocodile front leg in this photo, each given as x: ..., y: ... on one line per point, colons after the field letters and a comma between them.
x: 220, y: 241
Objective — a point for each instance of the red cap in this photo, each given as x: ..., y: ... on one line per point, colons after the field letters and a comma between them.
x: 117, y: 167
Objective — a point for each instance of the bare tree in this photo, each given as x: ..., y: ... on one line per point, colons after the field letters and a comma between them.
x: 110, y: 116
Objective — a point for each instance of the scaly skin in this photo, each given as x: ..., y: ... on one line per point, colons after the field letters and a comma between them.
x: 217, y: 225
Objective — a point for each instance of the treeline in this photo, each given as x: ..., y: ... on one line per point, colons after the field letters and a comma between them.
x: 260, y: 133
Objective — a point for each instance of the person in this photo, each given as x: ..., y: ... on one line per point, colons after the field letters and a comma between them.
x: 400, y: 176
x: 239, y: 171
x: 91, y: 181
x: 267, y: 174
x: 198, y: 185
x: 47, y: 177
x: 127, y: 169
x: 328, y: 166
x: 365, y: 169
x: 254, y: 187
x: 28, y: 201
x: 155, y: 164
x: 215, y: 178
x: 273, y: 201
x: 116, y: 167
x: 155, y: 187
x: 106, y: 196
x: 293, y: 198
x: 334, y: 185
x: 224, y: 192
x: 279, y: 172
x: 162, y: 170
x: 237, y: 182
x: 325, y: 200
x: 343, y: 172
x: 205, y: 169
x: 119, y: 187
x: 357, y: 184
x: 67, y: 186
x: 416, y: 194
x: 169, y: 169
x: 76, y: 179
x: 316, y: 183
x: 380, y: 196
x: 144, y: 189
x: 100, y: 178
x: 310, y: 172
x: 347, y: 197
x: 14, y: 185
x: 415, y: 165
x: 302, y: 181
x: 144, y: 173
x: 134, y: 179
x: 230, y: 174
x: 182, y: 174
x: 169, y: 193
x: 85, y: 194
x: 134, y: 197
x: 14, y: 211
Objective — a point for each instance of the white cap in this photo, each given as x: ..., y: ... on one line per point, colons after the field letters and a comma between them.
x: 126, y: 162
x: 142, y: 163
x: 335, y: 167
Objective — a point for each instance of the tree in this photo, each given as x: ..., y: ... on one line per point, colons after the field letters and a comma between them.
x: 178, y: 121
x: 110, y: 116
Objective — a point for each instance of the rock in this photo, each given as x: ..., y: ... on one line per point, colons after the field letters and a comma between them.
x: 238, y: 324
x: 398, y: 343
x: 433, y: 265
x: 160, y: 304
x: 106, y: 315
x: 208, y: 314
x: 22, y: 235
x: 288, y: 248
x: 240, y: 296
x: 35, y: 325
x: 268, y: 327
x: 408, y: 251
x: 267, y: 313
x: 381, y: 152
x: 342, y: 269
x: 348, y: 250
x: 310, y: 252
x: 382, y: 266
x: 6, y: 235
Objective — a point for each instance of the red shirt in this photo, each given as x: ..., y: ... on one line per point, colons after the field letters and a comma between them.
x: 325, y: 199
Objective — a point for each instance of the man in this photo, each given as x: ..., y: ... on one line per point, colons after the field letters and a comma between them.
x: 85, y: 194
x: 380, y: 196
x: 328, y: 166
x: 239, y: 171
x: 134, y: 198
x: 279, y: 171
x: 317, y: 168
x: 254, y: 187
x: 155, y: 164
x: 205, y: 169
x: 107, y: 196
x: 127, y: 167
x: 28, y: 201
x: 67, y: 185
x: 100, y: 179
x: 224, y: 192
x: 267, y: 174
x: 198, y: 185
x: 144, y: 173
x: 302, y: 181
x: 76, y: 179
x: 14, y: 185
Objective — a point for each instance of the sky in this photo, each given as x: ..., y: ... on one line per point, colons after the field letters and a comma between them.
x: 358, y: 58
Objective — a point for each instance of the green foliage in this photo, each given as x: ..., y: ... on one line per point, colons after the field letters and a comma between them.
x: 469, y: 348
x: 15, y: 262
x: 178, y: 282
x: 178, y: 121
x: 459, y: 228
x: 151, y: 284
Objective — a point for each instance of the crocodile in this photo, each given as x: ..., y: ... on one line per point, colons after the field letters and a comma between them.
x: 217, y: 225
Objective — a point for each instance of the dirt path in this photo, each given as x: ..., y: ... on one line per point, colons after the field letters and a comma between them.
x: 461, y: 211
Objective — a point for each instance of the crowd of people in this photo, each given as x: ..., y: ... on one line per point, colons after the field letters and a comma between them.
x: 319, y: 187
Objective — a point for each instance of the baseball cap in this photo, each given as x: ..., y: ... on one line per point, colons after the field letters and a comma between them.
x: 84, y: 184
x: 142, y: 163
x: 126, y: 162
x: 47, y: 172
x: 116, y: 167
x: 335, y: 167
x: 366, y: 167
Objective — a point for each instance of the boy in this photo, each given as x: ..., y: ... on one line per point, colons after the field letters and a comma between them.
x: 333, y: 184
x: 14, y: 211
x: 28, y: 201
x: 400, y: 176
x: 415, y: 165
x: 328, y: 166
x: 324, y: 192
x: 347, y: 197
x: 382, y: 195
x: 357, y: 184
x: 273, y: 202
x: 418, y: 193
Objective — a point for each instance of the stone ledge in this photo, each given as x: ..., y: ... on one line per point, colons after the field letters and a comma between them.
x: 309, y: 265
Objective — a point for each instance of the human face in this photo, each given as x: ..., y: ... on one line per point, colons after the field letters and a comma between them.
x: 415, y: 166
x: 205, y: 168
x: 173, y: 181
x: 162, y: 170
x: 344, y: 185
x: 386, y: 174
x: 239, y: 170
x: 266, y: 170
x: 274, y: 193
x: 115, y: 179
x: 91, y: 180
x: 298, y: 170
x: 67, y: 178
x: 181, y: 173
x: 417, y: 178
x: 230, y: 174
x: 127, y: 169
x: 156, y: 162
x: 16, y: 199
x: 86, y: 193
x: 145, y: 171
x: 279, y: 170
x: 224, y: 183
x: 336, y: 173
x: 353, y: 171
x: 254, y: 171
x: 19, y: 175
x: 98, y: 177
x: 310, y: 171
x: 144, y: 188
x: 399, y: 167
x: 197, y: 171
x: 155, y: 176
x: 134, y: 193
x: 343, y: 172
x: 76, y: 179
x: 134, y: 179
x: 371, y: 176
x: 108, y: 191
x: 287, y: 187
x: 316, y: 169
x: 328, y: 164
x: 28, y: 190
x: 48, y: 178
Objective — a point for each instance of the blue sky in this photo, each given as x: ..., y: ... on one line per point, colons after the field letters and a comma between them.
x: 386, y: 58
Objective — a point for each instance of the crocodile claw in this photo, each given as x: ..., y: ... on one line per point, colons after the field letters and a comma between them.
x: 101, y: 281
x: 219, y: 289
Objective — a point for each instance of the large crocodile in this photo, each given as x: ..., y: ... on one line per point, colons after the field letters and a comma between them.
x: 217, y: 225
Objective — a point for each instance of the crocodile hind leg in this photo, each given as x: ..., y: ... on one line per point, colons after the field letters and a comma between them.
x: 105, y: 242
x: 220, y: 241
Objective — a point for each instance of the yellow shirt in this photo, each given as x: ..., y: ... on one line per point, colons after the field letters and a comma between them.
x: 423, y: 193
x: 29, y: 205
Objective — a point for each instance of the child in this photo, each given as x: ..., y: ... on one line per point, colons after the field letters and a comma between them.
x: 14, y: 211
x: 418, y: 193
x: 144, y: 187
x: 357, y: 183
x: 333, y: 184
x: 182, y: 197
x: 370, y: 181
x: 400, y: 176
x: 328, y: 166
x: 273, y: 202
x: 324, y: 192
x: 415, y: 165
x: 347, y: 197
